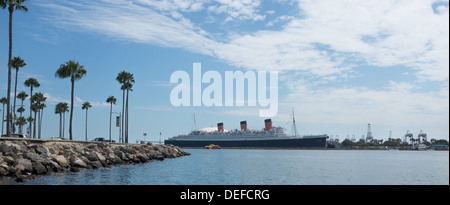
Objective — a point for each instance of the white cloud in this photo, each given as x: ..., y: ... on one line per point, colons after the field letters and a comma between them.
x: 397, y: 105
x: 174, y: 5
x: 383, y: 33
x: 131, y: 22
x: 100, y: 104
x: 55, y: 99
x: 401, y: 86
x: 238, y: 9
x: 329, y: 39
x: 334, y: 35
x: 279, y: 19
x: 161, y: 83
x: 79, y: 102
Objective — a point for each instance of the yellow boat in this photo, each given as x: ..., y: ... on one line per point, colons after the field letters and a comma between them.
x: 213, y: 146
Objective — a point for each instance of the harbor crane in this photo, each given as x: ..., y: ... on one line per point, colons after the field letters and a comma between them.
x: 369, y: 137
x: 422, y: 135
x: 410, y: 135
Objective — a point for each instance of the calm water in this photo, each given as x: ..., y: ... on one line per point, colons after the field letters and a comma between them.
x: 280, y: 167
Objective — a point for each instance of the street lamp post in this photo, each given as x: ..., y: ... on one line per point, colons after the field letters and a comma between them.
x: 118, y: 123
x: 2, y: 123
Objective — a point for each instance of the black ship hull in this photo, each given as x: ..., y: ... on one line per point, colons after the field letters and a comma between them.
x: 290, y: 143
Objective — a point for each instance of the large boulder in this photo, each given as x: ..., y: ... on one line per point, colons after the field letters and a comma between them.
x: 53, y: 150
x: 8, y: 146
x: 53, y: 166
x: 121, y: 155
x: 9, y: 160
x: 141, y: 157
x: 4, y: 168
x: 4, y: 148
x: 61, y: 160
x: 39, y: 168
x: 23, y: 165
x: 43, y: 151
x: 77, y: 162
x: 96, y: 164
x: 100, y: 157
x: 92, y: 157
x: 33, y: 157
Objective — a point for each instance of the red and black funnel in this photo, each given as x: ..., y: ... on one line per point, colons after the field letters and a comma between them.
x: 268, y: 123
x: 244, y: 126
x: 220, y: 126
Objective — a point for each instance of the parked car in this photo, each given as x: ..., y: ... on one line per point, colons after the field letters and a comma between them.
x: 58, y: 138
x: 99, y: 139
x: 110, y: 140
x: 18, y: 135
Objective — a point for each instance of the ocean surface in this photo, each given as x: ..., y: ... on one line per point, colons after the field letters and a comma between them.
x: 273, y: 167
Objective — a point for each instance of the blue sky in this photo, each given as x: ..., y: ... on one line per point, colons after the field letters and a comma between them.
x: 341, y: 64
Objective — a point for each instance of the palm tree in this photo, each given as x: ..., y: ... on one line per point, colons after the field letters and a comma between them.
x: 121, y: 79
x: 3, y: 101
x: 12, y: 5
x: 64, y: 108
x: 128, y: 87
x: 32, y: 83
x: 38, y: 98
x: 20, y: 110
x: 30, y: 120
x: 112, y: 100
x: 75, y: 71
x: 16, y: 63
x: 58, y: 111
x: 21, y: 121
x: 61, y: 108
x: 127, y: 80
x: 22, y: 96
x: 86, y: 106
x: 35, y: 108
x: 41, y: 116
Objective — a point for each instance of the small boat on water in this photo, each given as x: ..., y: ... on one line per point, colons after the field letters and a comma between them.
x: 213, y: 146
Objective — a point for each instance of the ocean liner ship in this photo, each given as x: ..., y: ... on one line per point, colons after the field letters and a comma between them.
x: 269, y: 137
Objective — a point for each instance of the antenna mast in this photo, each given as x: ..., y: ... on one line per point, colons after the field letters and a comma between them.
x: 294, y: 127
x: 195, y: 124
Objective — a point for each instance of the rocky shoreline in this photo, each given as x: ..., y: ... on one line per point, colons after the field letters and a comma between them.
x: 24, y: 159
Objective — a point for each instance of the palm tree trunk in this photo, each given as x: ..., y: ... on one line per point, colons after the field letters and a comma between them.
x: 31, y: 103
x: 110, y: 118
x: 40, y: 122
x: 34, y: 125
x: 21, y: 105
x: 123, y: 115
x: 71, y: 108
x: 21, y: 125
x: 126, y: 121
x: 3, y: 116
x: 15, y: 94
x: 8, y: 94
x: 64, y: 124
x: 86, y: 123
x: 60, y: 125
